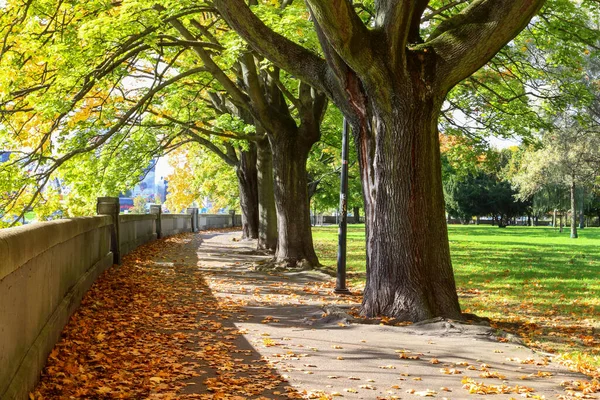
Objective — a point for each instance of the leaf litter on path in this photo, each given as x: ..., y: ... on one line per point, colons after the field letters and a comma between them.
x: 166, y: 329
x: 150, y: 329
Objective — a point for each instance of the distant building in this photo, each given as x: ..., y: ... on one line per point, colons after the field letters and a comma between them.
x: 153, y: 190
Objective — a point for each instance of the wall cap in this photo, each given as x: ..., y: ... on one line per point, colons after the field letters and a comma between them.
x: 20, y: 244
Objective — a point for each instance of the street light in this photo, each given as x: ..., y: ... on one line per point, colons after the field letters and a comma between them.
x: 340, y: 285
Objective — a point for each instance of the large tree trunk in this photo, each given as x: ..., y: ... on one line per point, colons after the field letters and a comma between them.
x: 248, y: 187
x: 295, y: 245
x: 267, y: 221
x: 573, y: 211
x: 391, y: 87
x: 407, y: 277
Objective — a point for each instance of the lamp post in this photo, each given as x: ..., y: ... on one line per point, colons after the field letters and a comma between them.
x: 340, y: 286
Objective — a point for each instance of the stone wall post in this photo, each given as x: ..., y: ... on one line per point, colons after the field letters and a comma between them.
x: 110, y: 206
x: 193, y: 211
x: 232, y: 218
x: 157, y: 209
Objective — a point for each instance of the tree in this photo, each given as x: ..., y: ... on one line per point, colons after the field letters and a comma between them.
x: 139, y: 205
x: 567, y: 159
x: 150, y: 72
x: 485, y: 190
x: 197, y: 173
x: 390, y: 79
x: 324, y: 168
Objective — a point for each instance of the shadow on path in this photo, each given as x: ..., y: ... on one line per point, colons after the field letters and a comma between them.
x: 186, y: 318
x: 151, y: 328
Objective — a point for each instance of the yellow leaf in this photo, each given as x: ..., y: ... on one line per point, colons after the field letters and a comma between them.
x: 104, y: 390
x: 426, y: 393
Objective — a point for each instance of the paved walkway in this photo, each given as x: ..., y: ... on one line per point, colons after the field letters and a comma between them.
x: 215, y: 328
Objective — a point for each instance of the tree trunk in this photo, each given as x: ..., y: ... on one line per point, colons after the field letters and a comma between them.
x: 356, y: 212
x: 501, y: 222
x: 477, y: 220
x: 560, y: 223
x: 407, y: 277
x: 581, y: 210
x: 267, y: 215
x: 554, y: 219
x: 573, y: 211
x: 295, y: 245
x: 248, y: 187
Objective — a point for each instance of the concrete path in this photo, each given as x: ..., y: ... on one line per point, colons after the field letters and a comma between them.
x: 325, y: 356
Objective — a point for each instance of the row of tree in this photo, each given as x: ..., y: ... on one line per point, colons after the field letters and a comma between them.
x: 91, y: 91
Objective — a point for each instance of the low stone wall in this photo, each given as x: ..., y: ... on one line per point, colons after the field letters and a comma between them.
x: 172, y: 224
x: 135, y: 230
x: 215, y: 221
x: 45, y: 269
x: 333, y: 220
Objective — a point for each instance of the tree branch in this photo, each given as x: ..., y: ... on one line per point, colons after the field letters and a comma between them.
x: 400, y: 21
x: 345, y: 32
x: 468, y: 40
x: 234, y: 92
x: 286, y: 54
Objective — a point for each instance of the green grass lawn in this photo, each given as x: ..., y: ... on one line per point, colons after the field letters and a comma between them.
x: 533, y: 281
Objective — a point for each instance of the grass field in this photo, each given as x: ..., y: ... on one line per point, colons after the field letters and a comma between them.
x: 533, y: 281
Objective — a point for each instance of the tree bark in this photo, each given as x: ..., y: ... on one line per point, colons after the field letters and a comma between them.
x: 295, y: 245
x: 573, y: 210
x: 356, y: 212
x: 404, y: 206
x: 248, y: 187
x: 267, y: 221
x: 390, y: 84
